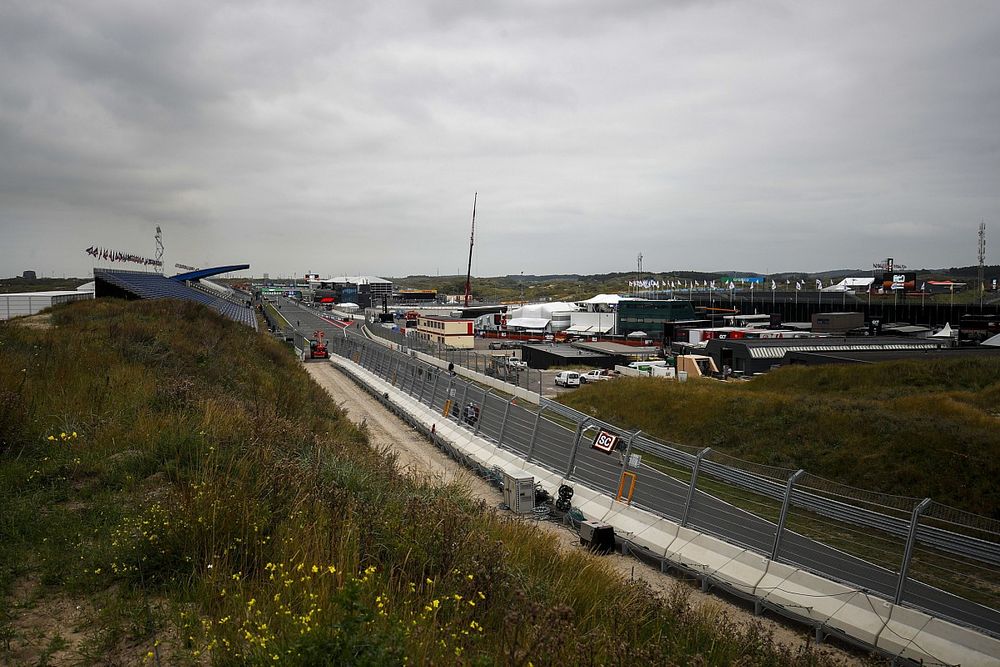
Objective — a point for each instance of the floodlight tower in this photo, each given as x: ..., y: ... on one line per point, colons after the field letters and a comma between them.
x: 158, y: 266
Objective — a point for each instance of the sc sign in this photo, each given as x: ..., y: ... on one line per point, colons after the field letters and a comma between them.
x: 605, y: 442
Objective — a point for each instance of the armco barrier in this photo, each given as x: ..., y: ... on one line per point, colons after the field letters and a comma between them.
x: 832, y: 608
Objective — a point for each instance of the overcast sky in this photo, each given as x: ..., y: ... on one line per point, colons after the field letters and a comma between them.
x: 350, y: 137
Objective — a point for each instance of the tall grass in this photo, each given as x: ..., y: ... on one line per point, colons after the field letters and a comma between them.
x: 923, y: 429
x: 185, y: 471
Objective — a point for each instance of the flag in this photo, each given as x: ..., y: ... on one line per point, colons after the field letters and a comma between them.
x: 922, y: 286
x: 773, y: 286
x: 798, y: 286
x: 751, y: 287
x: 819, y: 284
x: 731, y: 286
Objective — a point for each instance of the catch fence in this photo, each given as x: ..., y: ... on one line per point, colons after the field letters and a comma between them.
x: 907, y: 550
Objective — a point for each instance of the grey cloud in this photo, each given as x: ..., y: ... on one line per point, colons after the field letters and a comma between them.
x: 350, y: 136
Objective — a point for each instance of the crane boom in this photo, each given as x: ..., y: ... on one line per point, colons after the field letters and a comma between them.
x: 472, y: 240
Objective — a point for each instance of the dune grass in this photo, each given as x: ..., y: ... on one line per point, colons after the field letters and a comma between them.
x: 921, y: 429
x: 183, y: 479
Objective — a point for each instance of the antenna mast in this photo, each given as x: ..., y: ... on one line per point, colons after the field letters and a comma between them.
x: 472, y: 240
x: 982, y: 260
x: 158, y: 267
x: 638, y: 273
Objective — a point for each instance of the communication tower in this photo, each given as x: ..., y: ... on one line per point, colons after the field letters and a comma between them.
x: 982, y: 259
x: 158, y: 267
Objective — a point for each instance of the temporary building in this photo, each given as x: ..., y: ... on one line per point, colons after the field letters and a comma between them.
x: 29, y: 303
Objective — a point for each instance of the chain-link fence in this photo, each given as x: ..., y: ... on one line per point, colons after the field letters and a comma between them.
x: 907, y: 550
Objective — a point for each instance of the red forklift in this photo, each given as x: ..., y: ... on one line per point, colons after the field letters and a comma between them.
x: 317, y: 348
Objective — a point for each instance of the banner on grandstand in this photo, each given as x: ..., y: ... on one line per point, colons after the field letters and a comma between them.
x: 109, y: 255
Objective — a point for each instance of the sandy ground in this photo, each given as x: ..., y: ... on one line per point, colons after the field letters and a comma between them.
x: 421, y: 458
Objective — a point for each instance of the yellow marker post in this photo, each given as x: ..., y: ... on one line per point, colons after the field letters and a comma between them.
x: 631, y: 488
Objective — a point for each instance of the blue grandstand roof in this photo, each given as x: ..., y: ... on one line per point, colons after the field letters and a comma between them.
x: 205, y: 273
x: 154, y: 286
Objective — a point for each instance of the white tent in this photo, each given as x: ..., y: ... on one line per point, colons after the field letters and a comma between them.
x: 537, y: 323
x: 607, y: 299
x: 946, y: 332
x: 348, y: 306
x: 850, y: 285
x: 992, y: 342
x: 542, y: 310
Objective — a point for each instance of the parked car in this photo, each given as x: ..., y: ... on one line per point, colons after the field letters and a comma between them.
x: 596, y: 375
x: 568, y: 379
x: 517, y: 363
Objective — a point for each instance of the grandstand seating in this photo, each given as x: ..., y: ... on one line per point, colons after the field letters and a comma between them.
x: 154, y: 286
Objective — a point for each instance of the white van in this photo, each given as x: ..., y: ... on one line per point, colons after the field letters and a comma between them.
x: 568, y: 379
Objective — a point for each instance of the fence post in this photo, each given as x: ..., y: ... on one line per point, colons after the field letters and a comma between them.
x: 423, y: 384
x: 434, y: 391
x: 503, y: 422
x: 482, y: 410
x: 784, y: 512
x: 451, y: 388
x: 576, y: 444
x: 413, y: 375
x: 911, y: 537
x: 394, y: 370
x: 461, y: 406
x: 694, y: 482
x: 534, y: 433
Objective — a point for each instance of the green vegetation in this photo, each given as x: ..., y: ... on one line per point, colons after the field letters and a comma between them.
x: 511, y: 288
x: 180, y: 481
x: 924, y: 429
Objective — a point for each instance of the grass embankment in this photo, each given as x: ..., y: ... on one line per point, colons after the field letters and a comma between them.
x: 180, y: 481
x: 924, y: 429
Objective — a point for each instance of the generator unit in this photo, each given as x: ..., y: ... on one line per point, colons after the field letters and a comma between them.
x: 598, y: 537
x: 518, y: 491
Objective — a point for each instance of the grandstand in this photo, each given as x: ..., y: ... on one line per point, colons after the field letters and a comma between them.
x: 141, y: 285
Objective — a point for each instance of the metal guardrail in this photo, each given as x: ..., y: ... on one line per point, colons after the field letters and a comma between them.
x: 706, y: 499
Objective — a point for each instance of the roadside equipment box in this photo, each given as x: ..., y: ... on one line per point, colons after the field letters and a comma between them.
x: 518, y: 491
x: 598, y: 537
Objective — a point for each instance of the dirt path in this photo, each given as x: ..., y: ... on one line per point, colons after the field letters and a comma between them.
x: 421, y: 458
